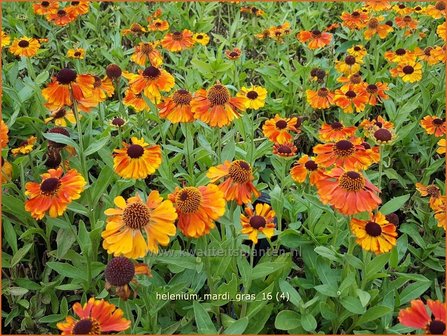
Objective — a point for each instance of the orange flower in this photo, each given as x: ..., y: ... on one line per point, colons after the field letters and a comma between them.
x: 178, y: 41
x: 351, y: 100
x: 358, y: 51
x: 58, y: 95
x: 216, y: 107
x: 401, y: 9
x: 375, y: 27
x: 237, y: 184
x: 264, y: 34
x: 77, y: 8
x: 442, y: 31
x: 437, y: 11
x: 416, y: 316
x: 400, y: 55
x: 177, y: 108
x: 136, y: 160
x: 350, y: 65
x: 201, y: 38
x: 371, y: 126
x: 4, y: 139
x: 376, y: 93
x: 233, y: 54
x: 120, y: 272
x: 54, y: 193
x: 277, y: 129
x: 26, y: 47
x: 102, y: 88
x: 198, y: 208
x: 336, y: 132
x: 25, y: 147
x: 434, y: 125
x: 6, y: 39
x: 432, y: 55
x: 378, y: 5
x: 78, y: 53
x: 61, y: 17
x: 123, y: 234
x: 146, y: 51
x: 320, y: 99
x: 406, y: 22
x: 306, y: 166
x: 136, y: 101
x: 6, y: 170
x: 252, y: 10
x: 45, y: 7
x: 96, y: 317
x: 354, y: 20
x: 135, y: 29
x: 348, y: 154
x: 436, y: 199
x: 158, y: 25
x: 279, y: 32
x: 315, y: 39
x: 440, y: 209
x: 259, y: 221
x: 351, y: 81
x: 376, y: 234
x: 349, y: 192
x: 61, y: 117
x: 441, y: 148
x: 287, y: 149
x: 151, y: 82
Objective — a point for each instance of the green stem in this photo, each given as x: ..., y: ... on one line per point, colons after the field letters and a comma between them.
x: 248, y: 285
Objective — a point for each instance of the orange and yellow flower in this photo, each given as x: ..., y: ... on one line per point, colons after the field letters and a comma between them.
x: 45, y: 7
x: 134, y: 29
x: 416, y: 316
x: 96, y: 317
x: 261, y: 220
x: 376, y: 93
x: 136, y: 101
x: 77, y: 8
x: 56, y: 191
x: 378, y: 5
x: 237, y: 182
x: 401, y: 9
x: 436, y: 199
x: 78, y: 53
x: 354, y: 20
x: 151, y: 82
x: 61, y: 17
x: 233, y: 54
x: 322, y: 98
x: 349, y: 65
x: 198, y: 208
x: 351, y: 101
x: 400, y: 55
x: 358, y: 51
x: 349, y: 192
x: 255, y: 96
x: 177, y: 108
x: 441, y: 146
x: 6, y: 170
x: 434, y: 125
x: 146, y: 51
x: 25, y: 46
x: 201, y: 38
x: 158, y: 25
x: 277, y: 129
x: 376, y: 234
x: 314, y: 39
x: 4, y: 139
x: 441, y: 30
x: 178, y: 41
x: 216, y: 107
x: 127, y: 222
x: 432, y: 55
x: 137, y: 160
x: 25, y: 147
x: 375, y: 27
x: 436, y: 11
x: 61, y: 117
x: 406, y: 22
x: 287, y: 149
x: 306, y: 166
x: 6, y: 39
x: 336, y: 131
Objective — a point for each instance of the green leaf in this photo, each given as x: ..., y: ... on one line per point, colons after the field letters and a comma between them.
x: 363, y: 296
x: 237, y: 327
x: 21, y: 253
x: 352, y: 304
x: 62, y: 139
x: 96, y: 146
x: 308, y: 322
x: 67, y: 270
x: 17, y: 291
x: 413, y: 291
x: 287, y: 320
x: 326, y: 253
x: 266, y: 268
x: 394, y: 204
x: 373, y: 313
x: 376, y: 265
x: 203, y: 320
x: 295, y: 297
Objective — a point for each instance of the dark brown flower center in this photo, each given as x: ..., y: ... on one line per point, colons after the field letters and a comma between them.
x: 393, y: 218
x: 417, y: 8
x: 66, y: 76
x: 355, y: 14
x: 151, y: 72
x: 383, y: 134
x: 350, y: 94
x: 136, y: 215
x: 60, y: 114
x: 61, y: 13
x: 373, y: 229
x: 389, y: 23
x: 433, y: 191
x: 146, y: 48
x: 97, y: 82
x: 284, y: 149
x: 234, y: 54
x: 119, y: 271
x: 311, y: 165
x: 75, y: 3
x: 218, y: 95
x: 316, y: 33
x: 323, y: 92
x: 86, y: 327
x: 366, y: 145
x: 357, y: 48
x: 177, y: 36
x: 373, y: 23
x: 23, y: 44
x: 118, y: 121
x: 136, y: 28
x: 336, y: 125
x: 252, y: 95
x: 344, y: 148
x: 182, y: 97
x: 281, y: 124
x: 350, y: 60
x: 77, y: 54
x: 188, y: 200
x: 257, y: 222
x: 440, y: 5
x: 438, y: 122
x: 240, y: 171
x: 351, y: 181
x: 378, y: 124
x: 113, y: 71
x: 401, y: 6
x: 371, y: 88
x: 436, y: 327
x: 355, y: 79
x: 199, y: 37
x: 50, y: 186
x: 44, y: 3
x: 407, y: 19
x: 135, y: 151
x: 427, y: 51
x: 408, y: 69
